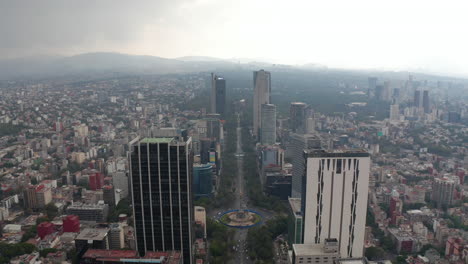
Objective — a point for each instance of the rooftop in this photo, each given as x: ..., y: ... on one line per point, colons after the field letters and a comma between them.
x: 351, y: 261
x: 157, y: 140
x: 103, y: 253
x: 337, y: 153
x: 311, y: 250
x: 295, y: 204
x: 93, y: 234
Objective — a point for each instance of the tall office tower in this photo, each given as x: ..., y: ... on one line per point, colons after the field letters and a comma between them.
x: 387, y: 91
x: 310, y: 125
x: 213, y: 126
x: 394, y: 112
x: 161, y: 182
x: 297, y: 144
x: 297, y: 117
x: 334, y: 200
x: 372, y: 85
x: 268, y: 124
x: 379, y: 92
x: 425, y: 101
x: 396, y: 94
x: 442, y: 191
x: 262, y: 90
x: 218, y: 94
x: 417, y: 99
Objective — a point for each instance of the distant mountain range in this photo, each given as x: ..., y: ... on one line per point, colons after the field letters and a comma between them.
x: 105, y: 62
x: 99, y: 63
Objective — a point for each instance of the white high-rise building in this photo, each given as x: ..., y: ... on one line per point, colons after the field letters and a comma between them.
x: 262, y: 90
x: 268, y: 131
x: 394, y: 112
x: 334, y: 200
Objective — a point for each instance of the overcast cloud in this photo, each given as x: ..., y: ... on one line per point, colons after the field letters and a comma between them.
x: 398, y: 34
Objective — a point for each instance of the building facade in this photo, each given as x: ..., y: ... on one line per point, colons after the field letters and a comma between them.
x: 442, y: 191
x: 202, y: 180
x: 334, y: 198
x: 299, y: 143
x: 297, y: 117
x: 161, y: 179
x: 218, y: 94
x: 262, y: 91
x: 268, y: 124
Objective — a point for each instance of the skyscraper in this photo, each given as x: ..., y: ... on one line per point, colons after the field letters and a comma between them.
x: 297, y: 117
x: 262, y: 90
x: 268, y: 124
x: 442, y: 191
x: 417, y: 99
x: 387, y: 91
x: 334, y: 198
x: 425, y: 101
x: 161, y: 175
x: 297, y: 144
x: 218, y: 94
x: 372, y: 85
x: 394, y: 112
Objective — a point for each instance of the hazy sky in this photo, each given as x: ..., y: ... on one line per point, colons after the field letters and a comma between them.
x: 397, y: 34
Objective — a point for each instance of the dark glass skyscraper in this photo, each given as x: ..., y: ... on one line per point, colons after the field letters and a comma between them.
x: 425, y: 101
x: 161, y: 173
x: 218, y: 95
x: 297, y: 117
x: 202, y: 180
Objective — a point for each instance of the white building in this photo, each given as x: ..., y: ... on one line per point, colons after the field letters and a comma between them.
x: 394, y: 112
x: 315, y: 253
x: 268, y: 124
x: 335, y: 199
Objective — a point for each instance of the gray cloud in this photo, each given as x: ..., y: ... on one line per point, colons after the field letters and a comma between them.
x: 61, y: 26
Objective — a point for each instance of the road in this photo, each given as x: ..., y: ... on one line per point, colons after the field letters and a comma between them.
x: 241, y: 201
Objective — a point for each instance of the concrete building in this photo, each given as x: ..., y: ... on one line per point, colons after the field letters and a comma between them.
x: 116, y: 236
x: 325, y: 253
x: 101, y: 256
x: 297, y: 144
x: 268, y: 124
x: 334, y: 201
x: 262, y: 91
x: 95, y: 238
x: 161, y: 179
x: 37, y: 197
x: 89, y: 212
x: 108, y: 194
x: 404, y: 241
x: 442, y: 191
x: 394, y: 112
x: 200, y: 218
x: 120, y: 181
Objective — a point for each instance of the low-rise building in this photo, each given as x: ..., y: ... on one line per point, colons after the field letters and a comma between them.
x: 325, y: 253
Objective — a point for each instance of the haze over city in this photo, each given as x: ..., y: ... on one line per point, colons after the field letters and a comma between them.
x: 233, y: 132
x: 422, y: 36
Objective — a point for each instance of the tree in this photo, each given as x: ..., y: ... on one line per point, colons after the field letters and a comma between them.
x: 9, y: 251
x: 30, y: 233
x: 374, y: 253
x: 43, y: 253
x: 51, y: 210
